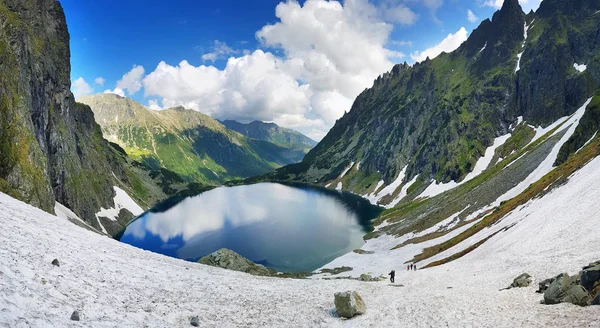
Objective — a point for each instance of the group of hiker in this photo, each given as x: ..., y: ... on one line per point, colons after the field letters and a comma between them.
x: 409, y: 267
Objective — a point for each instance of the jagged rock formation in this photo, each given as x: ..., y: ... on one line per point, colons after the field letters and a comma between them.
x: 436, y: 118
x: 187, y: 142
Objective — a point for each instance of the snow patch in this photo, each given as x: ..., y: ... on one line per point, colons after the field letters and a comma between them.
x: 346, y: 170
x: 522, y: 46
x: 580, y: 68
x: 327, y: 185
x: 339, y: 186
x: 437, y: 188
x: 403, y: 193
x: 548, y: 164
x: 122, y: 201
x: 519, y: 120
x: 587, y: 142
x: 358, y: 166
x: 482, y: 49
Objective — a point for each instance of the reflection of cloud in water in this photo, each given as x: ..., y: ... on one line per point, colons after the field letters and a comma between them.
x: 284, y: 225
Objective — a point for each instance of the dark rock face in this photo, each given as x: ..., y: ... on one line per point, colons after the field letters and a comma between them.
x: 61, y: 155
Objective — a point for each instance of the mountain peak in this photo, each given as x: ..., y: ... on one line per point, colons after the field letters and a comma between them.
x: 509, y: 4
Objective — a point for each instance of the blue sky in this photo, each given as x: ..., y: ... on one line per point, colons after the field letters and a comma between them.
x: 297, y: 64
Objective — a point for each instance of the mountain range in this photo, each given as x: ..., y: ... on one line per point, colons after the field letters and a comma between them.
x: 193, y: 145
x: 434, y: 120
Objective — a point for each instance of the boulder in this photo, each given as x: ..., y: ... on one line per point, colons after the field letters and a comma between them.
x: 544, y: 284
x: 228, y: 259
x: 75, y: 315
x: 590, y: 276
x: 366, y: 277
x: 523, y: 280
x: 55, y: 262
x: 566, y: 289
x: 195, y: 321
x: 349, y: 303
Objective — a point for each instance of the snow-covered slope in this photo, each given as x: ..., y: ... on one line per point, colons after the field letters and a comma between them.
x: 116, y: 285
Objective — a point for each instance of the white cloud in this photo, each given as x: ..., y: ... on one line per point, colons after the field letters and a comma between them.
x: 116, y: 91
x: 153, y: 104
x: 99, y: 80
x: 220, y: 50
x: 399, y: 14
x: 132, y: 80
x: 527, y: 5
x: 80, y: 88
x: 307, y: 88
x: 401, y: 43
x: 433, y: 4
x: 471, y: 16
x: 449, y: 44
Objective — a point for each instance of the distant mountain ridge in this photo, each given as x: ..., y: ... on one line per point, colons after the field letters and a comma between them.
x: 187, y: 142
x: 273, y: 133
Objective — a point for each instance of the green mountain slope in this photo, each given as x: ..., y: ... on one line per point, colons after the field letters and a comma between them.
x: 273, y: 133
x: 187, y: 142
x: 437, y: 118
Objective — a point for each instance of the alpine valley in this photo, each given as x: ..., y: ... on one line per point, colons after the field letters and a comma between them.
x: 476, y: 167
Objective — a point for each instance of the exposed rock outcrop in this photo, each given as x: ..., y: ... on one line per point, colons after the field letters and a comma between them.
x: 523, y: 280
x: 228, y: 259
x: 581, y: 289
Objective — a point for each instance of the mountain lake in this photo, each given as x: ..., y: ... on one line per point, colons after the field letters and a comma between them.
x: 290, y: 228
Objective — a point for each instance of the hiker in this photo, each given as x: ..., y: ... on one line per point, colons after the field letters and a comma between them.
x: 415, y: 267
x: 392, y: 274
x: 408, y: 267
x: 411, y: 266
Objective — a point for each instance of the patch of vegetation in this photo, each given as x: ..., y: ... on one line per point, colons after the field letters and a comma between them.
x: 521, y: 136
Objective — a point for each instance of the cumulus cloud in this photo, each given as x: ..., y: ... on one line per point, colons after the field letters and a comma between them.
x: 449, y: 44
x: 308, y: 87
x: 471, y: 16
x: 220, y: 50
x: 527, y: 5
x: 99, y: 80
x: 116, y: 91
x: 132, y: 80
x: 153, y: 104
x: 80, y: 88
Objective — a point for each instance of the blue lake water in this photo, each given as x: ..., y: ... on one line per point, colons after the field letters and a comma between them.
x: 291, y: 228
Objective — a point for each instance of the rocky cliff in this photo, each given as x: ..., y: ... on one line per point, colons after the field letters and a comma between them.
x: 436, y: 118
x: 51, y: 148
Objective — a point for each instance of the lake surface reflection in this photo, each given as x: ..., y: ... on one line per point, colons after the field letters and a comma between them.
x: 286, y: 227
